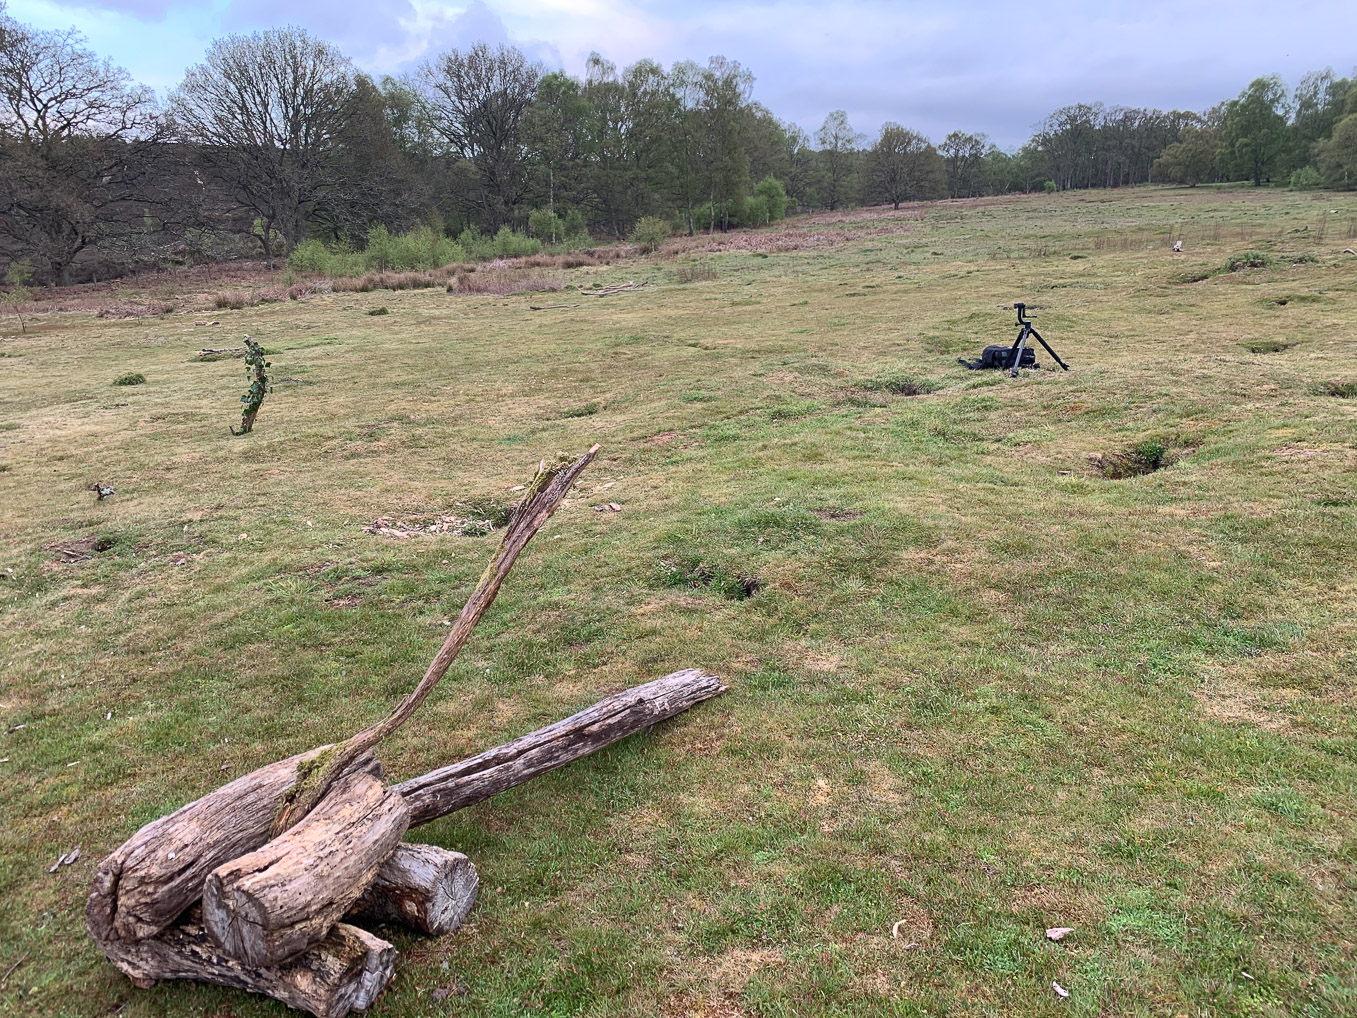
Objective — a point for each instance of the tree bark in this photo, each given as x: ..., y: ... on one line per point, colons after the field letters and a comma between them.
x: 145, y: 883
x: 424, y: 886
x: 462, y: 784
x: 344, y: 972
x: 270, y: 905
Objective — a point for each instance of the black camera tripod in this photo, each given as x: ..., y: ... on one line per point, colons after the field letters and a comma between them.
x: 1020, y: 344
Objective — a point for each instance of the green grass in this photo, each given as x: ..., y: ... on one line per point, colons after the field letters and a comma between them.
x: 977, y: 687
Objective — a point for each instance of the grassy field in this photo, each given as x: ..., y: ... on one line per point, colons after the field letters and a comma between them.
x: 981, y: 689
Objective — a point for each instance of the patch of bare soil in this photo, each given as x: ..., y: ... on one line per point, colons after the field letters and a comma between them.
x: 79, y: 549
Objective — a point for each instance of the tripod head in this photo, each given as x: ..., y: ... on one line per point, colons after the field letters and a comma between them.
x: 1021, y: 308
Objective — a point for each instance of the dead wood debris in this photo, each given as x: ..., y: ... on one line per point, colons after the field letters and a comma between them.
x: 605, y: 291
x: 550, y: 307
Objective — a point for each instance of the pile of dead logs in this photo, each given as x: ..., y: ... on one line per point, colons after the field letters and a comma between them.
x: 258, y: 885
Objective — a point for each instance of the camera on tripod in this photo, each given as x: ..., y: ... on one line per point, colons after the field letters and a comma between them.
x: 1019, y: 355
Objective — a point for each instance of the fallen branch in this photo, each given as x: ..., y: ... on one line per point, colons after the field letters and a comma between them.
x: 550, y: 307
x: 448, y: 789
x: 605, y: 291
x: 207, y: 353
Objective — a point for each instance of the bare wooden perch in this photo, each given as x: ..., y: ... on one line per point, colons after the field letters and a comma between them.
x: 246, y: 886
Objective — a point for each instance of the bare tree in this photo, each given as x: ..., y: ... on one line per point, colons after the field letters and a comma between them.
x: 477, y: 102
x: 74, y: 135
x: 264, y: 114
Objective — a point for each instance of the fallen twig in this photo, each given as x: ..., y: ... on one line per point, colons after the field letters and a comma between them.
x: 11, y: 970
x: 550, y: 307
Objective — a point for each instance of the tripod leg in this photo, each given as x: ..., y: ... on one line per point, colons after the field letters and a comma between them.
x: 1049, y: 350
x: 1019, y: 346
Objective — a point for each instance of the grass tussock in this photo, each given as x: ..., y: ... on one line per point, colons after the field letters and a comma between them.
x: 502, y: 281
x: 130, y: 378
x: 695, y: 272
x: 1267, y: 345
x: 1339, y: 390
x: 900, y: 385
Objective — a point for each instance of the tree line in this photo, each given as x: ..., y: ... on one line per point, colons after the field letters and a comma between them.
x: 275, y: 145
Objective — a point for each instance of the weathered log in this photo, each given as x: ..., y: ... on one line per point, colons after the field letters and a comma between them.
x: 270, y: 905
x: 344, y: 972
x: 148, y: 881
x: 424, y: 886
x: 462, y: 784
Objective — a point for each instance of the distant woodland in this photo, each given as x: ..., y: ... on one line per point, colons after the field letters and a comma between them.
x: 275, y: 146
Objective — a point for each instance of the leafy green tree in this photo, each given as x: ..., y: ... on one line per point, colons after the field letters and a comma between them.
x: 553, y: 131
x: 1255, y: 129
x: 774, y: 197
x: 1337, y: 156
x: 962, y: 156
x: 903, y: 166
x: 840, y: 148
x: 1194, y: 157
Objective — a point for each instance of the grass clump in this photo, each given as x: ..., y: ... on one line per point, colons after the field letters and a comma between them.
x: 379, y: 311
x: 587, y: 410
x: 1248, y: 260
x: 900, y: 385
x: 695, y: 272
x: 1266, y: 345
x: 130, y: 378
x: 1339, y: 390
x: 694, y: 572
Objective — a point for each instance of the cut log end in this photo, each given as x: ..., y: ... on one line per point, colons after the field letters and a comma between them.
x: 281, y: 899
x: 424, y: 886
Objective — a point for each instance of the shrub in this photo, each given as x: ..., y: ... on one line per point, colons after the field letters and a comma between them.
x: 774, y: 198
x: 649, y: 233
x: 130, y: 378
x: 1305, y: 179
x: 575, y: 226
x: 232, y: 300
x: 379, y: 311
x: 546, y: 226
x: 1050, y: 187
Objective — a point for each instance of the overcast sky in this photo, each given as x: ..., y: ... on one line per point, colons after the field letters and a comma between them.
x: 933, y: 66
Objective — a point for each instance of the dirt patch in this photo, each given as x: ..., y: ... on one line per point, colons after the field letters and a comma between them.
x: 1136, y: 460
x: 839, y: 514
x: 80, y: 549
x: 663, y: 438
x: 347, y: 601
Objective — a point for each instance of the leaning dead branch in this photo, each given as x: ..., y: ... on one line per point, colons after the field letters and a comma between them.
x: 254, y: 884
